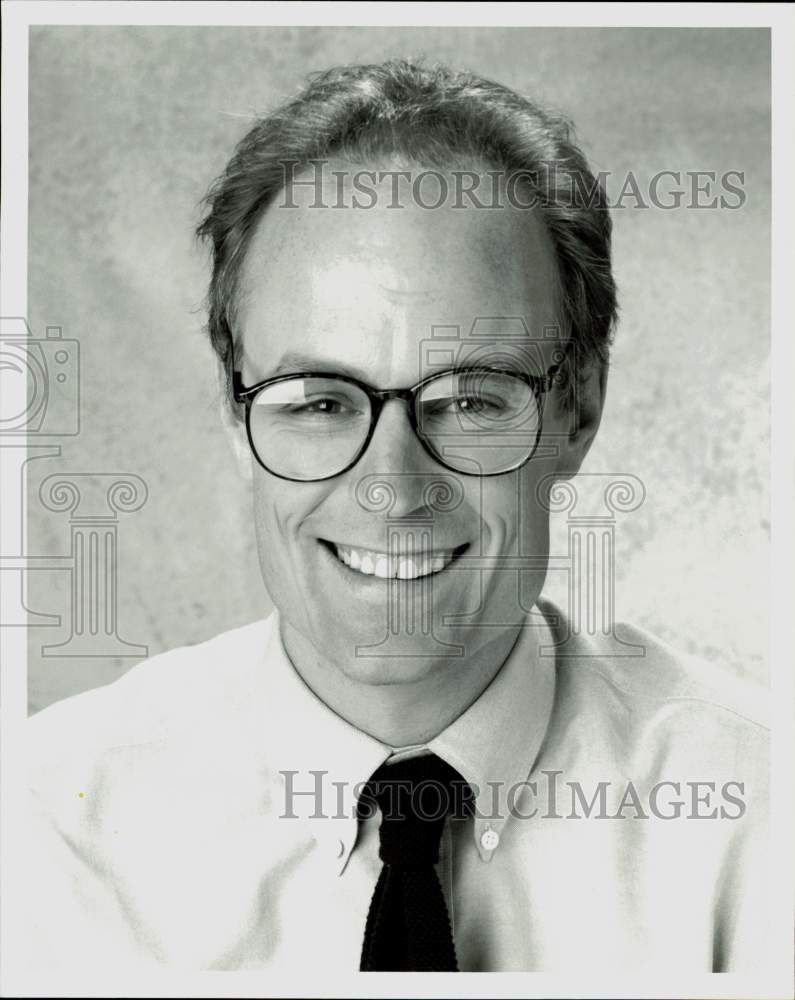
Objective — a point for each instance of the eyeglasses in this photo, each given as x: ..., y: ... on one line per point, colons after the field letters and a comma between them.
x: 311, y: 426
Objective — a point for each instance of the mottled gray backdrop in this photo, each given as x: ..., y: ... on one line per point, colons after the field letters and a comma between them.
x: 127, y: 128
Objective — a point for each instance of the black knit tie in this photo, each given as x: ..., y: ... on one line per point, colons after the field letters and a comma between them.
x: 408, y: 926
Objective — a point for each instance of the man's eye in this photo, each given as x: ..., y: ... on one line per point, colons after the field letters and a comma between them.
x: 324, y: 406
x: 477, y: 404
x: 471, y: 405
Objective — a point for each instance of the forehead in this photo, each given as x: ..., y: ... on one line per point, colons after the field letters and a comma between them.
x: 365, y: 285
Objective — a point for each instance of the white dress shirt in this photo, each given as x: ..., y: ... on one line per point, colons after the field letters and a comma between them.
x: 164, y: 833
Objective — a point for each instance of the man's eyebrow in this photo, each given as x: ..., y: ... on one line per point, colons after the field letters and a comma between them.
x: 295, y: 361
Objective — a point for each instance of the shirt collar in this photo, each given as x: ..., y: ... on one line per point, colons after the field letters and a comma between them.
x: 324, y: 760
x: 496, y: 741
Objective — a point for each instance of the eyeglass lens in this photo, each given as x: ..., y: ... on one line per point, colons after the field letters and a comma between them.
x: 309, y: 428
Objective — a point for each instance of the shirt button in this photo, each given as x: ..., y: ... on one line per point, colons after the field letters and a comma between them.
x: 489, y: 840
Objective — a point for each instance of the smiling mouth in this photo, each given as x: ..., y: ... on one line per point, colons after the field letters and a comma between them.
x: 370, y: 562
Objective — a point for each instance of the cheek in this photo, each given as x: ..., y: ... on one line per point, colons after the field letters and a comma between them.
x: 515, y: 525
x: 537, y: 479
x: 513, y: 516
x: 534, y: 533
x: 280, y: 508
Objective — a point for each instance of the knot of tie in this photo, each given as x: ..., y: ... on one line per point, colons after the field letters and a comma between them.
x: 408, y: 926
x: 414, y: 797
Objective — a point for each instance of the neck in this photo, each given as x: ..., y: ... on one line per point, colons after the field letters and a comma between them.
x: 400, y: 713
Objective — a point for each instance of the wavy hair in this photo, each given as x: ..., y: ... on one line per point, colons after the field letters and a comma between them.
x: 433, y: 116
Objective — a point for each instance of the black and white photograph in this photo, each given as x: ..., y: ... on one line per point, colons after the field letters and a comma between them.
x: 397, y: 491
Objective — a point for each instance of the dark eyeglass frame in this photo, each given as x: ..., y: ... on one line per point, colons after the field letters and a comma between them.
x: 540, y: 384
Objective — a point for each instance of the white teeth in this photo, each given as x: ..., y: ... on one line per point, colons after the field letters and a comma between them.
x: 407, y: 570
x: 403, y: 567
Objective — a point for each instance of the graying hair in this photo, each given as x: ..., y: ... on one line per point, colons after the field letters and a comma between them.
x: 433, y: 116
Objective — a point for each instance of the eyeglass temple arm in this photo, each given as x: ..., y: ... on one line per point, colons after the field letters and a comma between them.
x: 546, y: 382
x: 239, y: 391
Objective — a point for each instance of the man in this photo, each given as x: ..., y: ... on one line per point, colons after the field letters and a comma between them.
x: 415, y: 762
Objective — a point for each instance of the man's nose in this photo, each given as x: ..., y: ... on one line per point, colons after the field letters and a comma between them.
x: 396, y: 454
x: 394, y: 447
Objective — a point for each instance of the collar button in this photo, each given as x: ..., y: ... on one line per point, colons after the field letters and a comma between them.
x: 489, y: 840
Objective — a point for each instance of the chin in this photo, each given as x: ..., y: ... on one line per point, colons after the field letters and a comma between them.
x: 371, y: 667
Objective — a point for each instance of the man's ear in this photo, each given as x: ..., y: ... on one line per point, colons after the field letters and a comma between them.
x: 585, y: 416
x: 234, y: 425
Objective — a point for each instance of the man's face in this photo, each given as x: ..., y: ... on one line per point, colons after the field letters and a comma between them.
x: 359, y: 292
